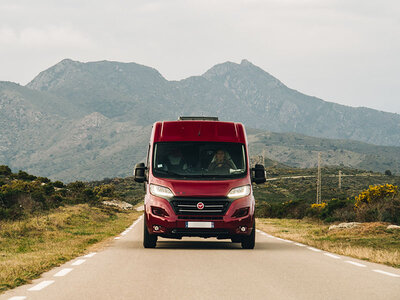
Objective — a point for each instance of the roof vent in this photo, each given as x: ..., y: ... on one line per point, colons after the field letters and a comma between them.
x: 198, y: 119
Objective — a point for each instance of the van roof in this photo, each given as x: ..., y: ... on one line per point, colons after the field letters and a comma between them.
x: 199, y: 130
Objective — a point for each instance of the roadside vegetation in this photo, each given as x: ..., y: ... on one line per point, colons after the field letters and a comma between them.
x: 294, y: 197
x: 370, y: 241
x: 286, y: 208
x: 44, y: 224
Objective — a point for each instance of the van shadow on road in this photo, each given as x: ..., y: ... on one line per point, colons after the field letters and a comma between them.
x: 205, y: 245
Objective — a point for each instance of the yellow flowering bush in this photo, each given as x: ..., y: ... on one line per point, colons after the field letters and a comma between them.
x: 375, y: 194
x: 320, y: 206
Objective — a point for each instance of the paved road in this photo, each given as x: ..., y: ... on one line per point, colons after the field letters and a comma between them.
x: 211, y: 269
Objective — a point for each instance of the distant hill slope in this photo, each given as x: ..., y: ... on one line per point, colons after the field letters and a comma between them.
x: 87, y: 121
x: 301, y: 151
x: 241, y: 92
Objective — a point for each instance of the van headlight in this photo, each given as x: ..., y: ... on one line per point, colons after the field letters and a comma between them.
x: 239, y: 192
x: 160, y: 191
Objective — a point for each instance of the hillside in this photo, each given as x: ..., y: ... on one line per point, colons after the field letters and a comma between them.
x: 87, y: 121
x: 301, y: 151
x: 241, y: 92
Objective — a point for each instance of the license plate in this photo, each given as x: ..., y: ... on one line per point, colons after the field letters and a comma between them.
x: 199, y: 224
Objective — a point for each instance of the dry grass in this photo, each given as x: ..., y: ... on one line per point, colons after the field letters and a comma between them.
x: 30, y: 247
x: 371, y: 241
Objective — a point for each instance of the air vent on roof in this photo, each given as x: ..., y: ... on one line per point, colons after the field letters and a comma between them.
x: 198, y: 119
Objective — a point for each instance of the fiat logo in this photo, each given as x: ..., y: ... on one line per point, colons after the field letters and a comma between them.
x: 200, y: 205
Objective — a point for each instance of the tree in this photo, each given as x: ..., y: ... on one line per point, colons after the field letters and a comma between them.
x: 5, y: 170
x: 388, y: 173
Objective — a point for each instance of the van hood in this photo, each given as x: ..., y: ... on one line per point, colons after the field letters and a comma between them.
x: 184, y: 188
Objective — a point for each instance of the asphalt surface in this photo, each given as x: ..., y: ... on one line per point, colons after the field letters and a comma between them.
x: 210, y: 269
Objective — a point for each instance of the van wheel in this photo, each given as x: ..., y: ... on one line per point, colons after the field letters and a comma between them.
x: 249, y: 242
x: 149, y: 240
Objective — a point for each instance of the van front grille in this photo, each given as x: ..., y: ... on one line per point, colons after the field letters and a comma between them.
x: 193, y: 206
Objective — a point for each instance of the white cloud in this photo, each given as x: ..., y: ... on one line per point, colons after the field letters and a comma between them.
x: 340, y: 50
x: 50, y: 37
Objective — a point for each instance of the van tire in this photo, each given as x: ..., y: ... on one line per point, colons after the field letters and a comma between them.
x: 149, y: 240
x: 249, y: 242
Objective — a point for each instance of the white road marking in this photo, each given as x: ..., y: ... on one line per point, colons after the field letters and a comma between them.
x: 287, y: 241
x: 355, y: 263
x: 63, y: 272
x: 79, y: 262
x: 314, y: 249
x: 279, y: 239
x: 17, y: 298
x: 90, y: 254
x: 129, y: 228
x: 386, y: 273
x: 298, y: 244
x: 41, y: 285
x: 332, y: 255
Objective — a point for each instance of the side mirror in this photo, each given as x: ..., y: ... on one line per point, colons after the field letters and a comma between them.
x: 139, y: 173
x: 259, y: 174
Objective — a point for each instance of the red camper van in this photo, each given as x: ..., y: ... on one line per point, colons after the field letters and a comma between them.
x: 198, y: 182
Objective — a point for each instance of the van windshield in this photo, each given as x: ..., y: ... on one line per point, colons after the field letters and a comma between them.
x: 193, y: 160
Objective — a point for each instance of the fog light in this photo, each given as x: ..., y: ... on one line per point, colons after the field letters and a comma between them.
x: 243, y: 228
x: 156, y: 227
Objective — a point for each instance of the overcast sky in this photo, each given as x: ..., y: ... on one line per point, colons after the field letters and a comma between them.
x: 344, y: 51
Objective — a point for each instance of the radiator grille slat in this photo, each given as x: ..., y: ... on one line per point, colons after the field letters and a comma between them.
x: 188, y: 206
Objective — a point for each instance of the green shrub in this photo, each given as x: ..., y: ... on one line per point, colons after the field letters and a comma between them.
x: 105, y: 190
x: 58, y: 184
x: 24, y: 176
x: 5, y: 170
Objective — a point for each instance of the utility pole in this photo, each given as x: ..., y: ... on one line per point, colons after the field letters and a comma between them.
x: 319, y: 179
x: 263, y: 157
x: 340, y: 179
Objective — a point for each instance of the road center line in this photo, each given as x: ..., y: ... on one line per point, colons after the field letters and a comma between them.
x: 355, y: 263
x: 332, y: 255
x: 41, y: 285
x: 386, y: 273
x: 90, y: 254
x: 78, y: 262
x: 314, y: 249
x: 17, y: 298
x: 63, y: 272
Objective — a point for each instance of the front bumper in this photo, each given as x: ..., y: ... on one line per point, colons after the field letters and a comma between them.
x: 174, y: 226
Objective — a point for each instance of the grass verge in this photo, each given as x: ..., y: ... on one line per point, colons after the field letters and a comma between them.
x: 35, y: 245
x: 370, y: 242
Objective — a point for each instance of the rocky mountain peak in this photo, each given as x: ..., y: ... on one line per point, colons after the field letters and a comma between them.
x: 245, y: 71
x: 55, y: 75
x: 245, y: 62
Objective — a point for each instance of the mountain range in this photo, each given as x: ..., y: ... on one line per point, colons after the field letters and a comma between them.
x: 92, y: 120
